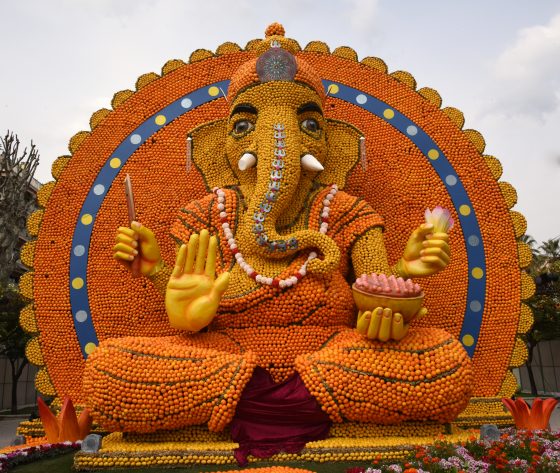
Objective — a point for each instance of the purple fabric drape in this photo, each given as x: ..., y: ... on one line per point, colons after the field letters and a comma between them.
x: 276, y: 417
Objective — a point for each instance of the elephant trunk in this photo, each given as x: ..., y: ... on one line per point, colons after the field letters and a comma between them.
x: 278, y: 180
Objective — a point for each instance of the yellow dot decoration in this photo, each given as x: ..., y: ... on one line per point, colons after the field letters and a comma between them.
x: 477, y: 273
x: 86, y: 219
x: 388, y: 114
x: 160, y: 120
x: 468, y: 340
x: 115, y: 163
x: 433, y: 154
x: 464, y: 210
x: 77, y: 283
x: 333, y: 89
x: 213, y: 91
x: 90, y: 348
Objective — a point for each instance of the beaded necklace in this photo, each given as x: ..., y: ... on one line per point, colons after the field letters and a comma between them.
x: 260, y: 278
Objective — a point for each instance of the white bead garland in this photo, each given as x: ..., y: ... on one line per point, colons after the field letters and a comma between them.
x: 246, y: 267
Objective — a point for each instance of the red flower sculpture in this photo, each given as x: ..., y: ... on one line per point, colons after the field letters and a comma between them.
x: 535, y: 418
x: 66, y: 426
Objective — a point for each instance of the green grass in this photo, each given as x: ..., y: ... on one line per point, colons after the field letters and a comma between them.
x: 63, y: 464
x: 59, y: 464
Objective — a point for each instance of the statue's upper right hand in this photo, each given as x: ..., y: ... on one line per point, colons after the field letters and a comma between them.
x: 134, y: 240
x: 193, y: 292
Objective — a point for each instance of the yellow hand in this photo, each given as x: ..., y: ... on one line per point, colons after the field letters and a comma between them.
x: 426, y: 253
x: 382, y: 324
x: 193, y: 292
x: 126, y: 248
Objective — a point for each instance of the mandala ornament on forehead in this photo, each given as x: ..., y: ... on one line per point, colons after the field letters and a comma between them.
x: 276, y: 64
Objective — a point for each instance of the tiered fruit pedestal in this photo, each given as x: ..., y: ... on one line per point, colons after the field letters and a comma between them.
x: 196, y: 445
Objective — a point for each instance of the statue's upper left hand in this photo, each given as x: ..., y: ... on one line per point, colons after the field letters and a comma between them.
x: 426, y: 253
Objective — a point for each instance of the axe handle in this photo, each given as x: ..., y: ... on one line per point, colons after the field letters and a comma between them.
x: 135, y: 263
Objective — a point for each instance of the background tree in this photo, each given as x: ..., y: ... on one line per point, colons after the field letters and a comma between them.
x: 545, y: 269
x: 16, y: 202
x: 12, y: 338
x: 550, y: 253
x: 530, y: 241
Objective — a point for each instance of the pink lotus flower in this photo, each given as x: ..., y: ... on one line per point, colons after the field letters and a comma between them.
x: 440, y: 218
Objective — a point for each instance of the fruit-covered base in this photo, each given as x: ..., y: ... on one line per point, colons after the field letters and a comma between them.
x: 349, y: 442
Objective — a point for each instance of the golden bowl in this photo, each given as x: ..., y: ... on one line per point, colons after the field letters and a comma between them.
x: 408, y: 307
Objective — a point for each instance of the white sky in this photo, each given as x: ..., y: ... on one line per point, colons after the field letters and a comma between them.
x: 497, y: 61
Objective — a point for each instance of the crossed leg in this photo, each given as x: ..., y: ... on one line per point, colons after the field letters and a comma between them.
x: 147, y: 384
x: 425, y: 376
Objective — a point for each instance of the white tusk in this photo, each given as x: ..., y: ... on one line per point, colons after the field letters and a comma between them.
x: 246, y: 161
x: 311, y: 163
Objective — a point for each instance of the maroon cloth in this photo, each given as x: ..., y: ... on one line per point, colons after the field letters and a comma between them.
x: 276, y: 417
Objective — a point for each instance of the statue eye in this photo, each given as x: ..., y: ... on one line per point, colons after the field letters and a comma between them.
x: 242, y: 126
x: 310, y: 124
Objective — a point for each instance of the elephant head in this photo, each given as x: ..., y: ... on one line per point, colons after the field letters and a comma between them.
x: 276, y: 146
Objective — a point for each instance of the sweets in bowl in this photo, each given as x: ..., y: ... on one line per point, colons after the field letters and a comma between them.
x: 379, y: 290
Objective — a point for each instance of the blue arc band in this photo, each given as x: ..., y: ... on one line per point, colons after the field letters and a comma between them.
x: 81, y: 239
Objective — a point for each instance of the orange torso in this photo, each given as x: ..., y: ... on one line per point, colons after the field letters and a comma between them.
x: 302, y: 317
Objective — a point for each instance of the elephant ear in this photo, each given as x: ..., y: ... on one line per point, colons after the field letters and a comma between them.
x: 343, y: 144
x: 209, y: 155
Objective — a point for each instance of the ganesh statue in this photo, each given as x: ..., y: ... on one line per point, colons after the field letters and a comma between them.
x: 262, y: 277
x: 273, y: 187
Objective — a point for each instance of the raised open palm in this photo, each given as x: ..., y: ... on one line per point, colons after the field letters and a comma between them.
x: 193, y: 291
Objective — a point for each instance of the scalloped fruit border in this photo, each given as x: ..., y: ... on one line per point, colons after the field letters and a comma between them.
x: 426, y: 145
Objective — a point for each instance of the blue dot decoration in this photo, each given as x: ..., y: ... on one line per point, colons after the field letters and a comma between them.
x: 451, y: 180
x: 473, y: 240
x: 361, y: 99
x: 81, y: 316
x: 411, y: 130
x: 475, y: 306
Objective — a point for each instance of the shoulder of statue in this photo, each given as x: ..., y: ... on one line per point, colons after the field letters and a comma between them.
x: 345, y: 202
x: 354, y: 210
x: 204, y: 213
x: 343, y: 196
x: 210, y: 202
